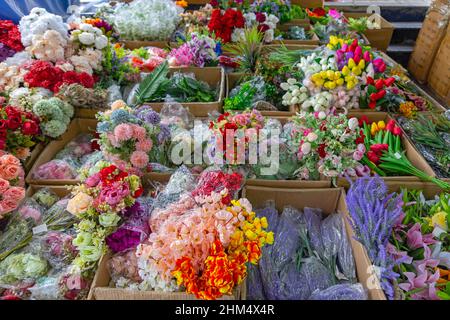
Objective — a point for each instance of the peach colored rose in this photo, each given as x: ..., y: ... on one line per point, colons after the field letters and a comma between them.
x: 10, y: 171
x: 118, y: 104
x: 79, y: 203
x: 8, y: 205
x: 9, y: 159
x: 22, y: 153
x: 14, y: 193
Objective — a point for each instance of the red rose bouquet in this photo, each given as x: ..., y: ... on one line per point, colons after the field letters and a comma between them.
x: 44, y: 74
x: 19, y: 131
x: 223, y: 23
x: 10, y: 35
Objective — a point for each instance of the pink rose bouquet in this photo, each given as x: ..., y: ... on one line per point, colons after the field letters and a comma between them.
x: 12, y: 183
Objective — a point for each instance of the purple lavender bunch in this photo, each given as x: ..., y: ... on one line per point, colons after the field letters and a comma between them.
x: 373, y: 214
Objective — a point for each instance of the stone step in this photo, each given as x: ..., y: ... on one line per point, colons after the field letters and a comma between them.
x: 405, y: 33
x: 400, y: 53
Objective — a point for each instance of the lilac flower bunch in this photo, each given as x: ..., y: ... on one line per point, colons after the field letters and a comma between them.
x: 199, y: 51
x: 5, y: 52
x: 373, y: 215
x: 133, y: 231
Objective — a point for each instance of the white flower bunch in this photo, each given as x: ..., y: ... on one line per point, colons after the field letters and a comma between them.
x: 87, y: 60
x: 147, y: 19
x: 321, y: 101
x: 270, y: 21
x: 308, y: 65
x: 25, y: 98
x: 39, y: 21
x: 90, y: 36
x: 48, y: 46
x: 296, y: 93
x: 11, y: 76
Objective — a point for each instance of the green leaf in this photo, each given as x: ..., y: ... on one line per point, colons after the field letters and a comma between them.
x: 150, y: 85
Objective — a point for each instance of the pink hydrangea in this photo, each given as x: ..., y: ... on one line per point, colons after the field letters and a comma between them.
x: 144, y: 145
x: 123, y: 132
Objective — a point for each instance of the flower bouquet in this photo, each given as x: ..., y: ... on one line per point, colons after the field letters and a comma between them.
x: 411, y: 248
x: 282, y: 9
x: 311, y: 258
x: 133, y: 136
x: 385, y: 154
x: 209, y: 252
x: 44, y: 74
x: 54, y: 116
x: 20, y: 131
x: 69, y: 161
x: 431, y: 138
x: 12, y: 184
x: 43, y: 208
x: 325, y: 145
x: 232, y: 133
x: 145, y: 20
x: 99, y: 204
x: 10, y: 39
x: 198, y: 51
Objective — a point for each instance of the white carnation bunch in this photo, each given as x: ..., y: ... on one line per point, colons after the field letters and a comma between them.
x: 295, y: 94
x: 38, y: 22
x: 90, y: 36
x: 147, y: 19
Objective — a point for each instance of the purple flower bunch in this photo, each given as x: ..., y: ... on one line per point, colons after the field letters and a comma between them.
x: 373, y: 215
x: 199, y: 51
x: 133, y: 231
x: 5, y: 52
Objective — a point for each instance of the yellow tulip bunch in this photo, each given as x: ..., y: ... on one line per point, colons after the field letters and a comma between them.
x: 335, y: 42
x: 330, y: 79
x: 377, y: 126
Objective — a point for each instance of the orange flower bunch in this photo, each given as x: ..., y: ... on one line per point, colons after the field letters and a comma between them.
x: 226, y: 268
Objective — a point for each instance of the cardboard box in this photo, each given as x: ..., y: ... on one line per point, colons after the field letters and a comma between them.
x: 233, y: 79
x: 429, y: 39
x: 411, y: 153
x: 330, y: 201
x: 314, y: 40
x: 215, y: 77
x: 308, y: 3
x: 439, y: 77
x: 76, y: 127
x: 35, y: 152
x: 378, y: 38
x: 100, y: 289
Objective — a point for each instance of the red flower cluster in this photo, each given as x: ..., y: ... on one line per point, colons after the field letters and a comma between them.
x: 215, y: 181
x: 10, y: 35
x: 376, y: 151
x: 316, y: 12
x: 377, y: 91
x: 19, y: 131
x: 44, y: 74
x: 223, y: 24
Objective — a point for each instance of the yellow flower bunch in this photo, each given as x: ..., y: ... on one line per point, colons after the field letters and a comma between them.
x: 251, y: 230
x: 438, y: 219
x: 335, y: 43
x: 377, y: 126
x: 408, y: 109
x: 330, y: 79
